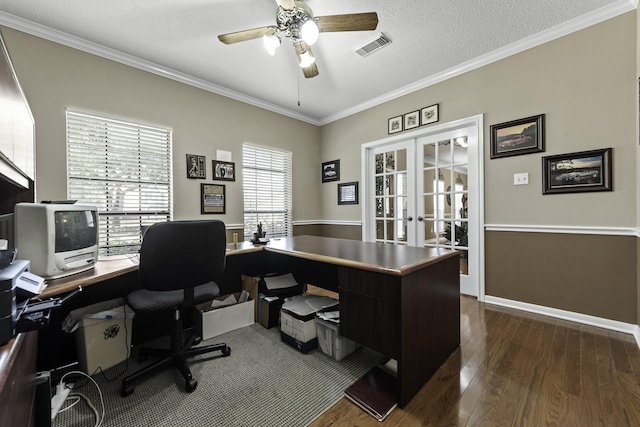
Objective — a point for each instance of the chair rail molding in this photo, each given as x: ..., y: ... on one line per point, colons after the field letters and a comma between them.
x: 565, y: 229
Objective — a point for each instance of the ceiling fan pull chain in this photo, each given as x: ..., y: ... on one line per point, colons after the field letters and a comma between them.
x: 298, y: 74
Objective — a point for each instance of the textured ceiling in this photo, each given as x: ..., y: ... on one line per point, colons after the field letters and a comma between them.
x: 431, y: 40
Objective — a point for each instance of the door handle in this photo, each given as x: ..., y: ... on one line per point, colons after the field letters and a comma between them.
x: 420, y: 218
x: 410, y: 218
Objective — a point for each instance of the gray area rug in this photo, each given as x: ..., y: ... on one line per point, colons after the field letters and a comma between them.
x: 264, y: 382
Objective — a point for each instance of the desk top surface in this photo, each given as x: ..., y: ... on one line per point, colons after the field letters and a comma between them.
x: 395, y: 260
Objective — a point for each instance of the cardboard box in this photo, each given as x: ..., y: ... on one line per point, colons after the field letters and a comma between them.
x: 211, y: 322
x: 269, y: 310
x: 299, y: 329
x: 331, y: 342
x: 103, y: 339
x: 250, y: 284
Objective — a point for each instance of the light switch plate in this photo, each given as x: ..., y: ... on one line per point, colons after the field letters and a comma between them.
x: 521, y: 178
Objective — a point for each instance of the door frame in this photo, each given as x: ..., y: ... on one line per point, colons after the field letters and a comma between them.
x: 366, y: 191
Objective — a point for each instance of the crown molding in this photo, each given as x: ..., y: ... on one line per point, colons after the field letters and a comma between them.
x: 556, y: 32
x: 600, y: 15
x: 65, y: 39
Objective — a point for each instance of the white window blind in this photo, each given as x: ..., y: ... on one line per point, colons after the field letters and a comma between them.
x: 266, y: 180
x: 124, y: 169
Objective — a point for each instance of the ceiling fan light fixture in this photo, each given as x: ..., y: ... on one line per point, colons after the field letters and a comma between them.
x: 309, y: 32
x: 306, y: 59
x: 271, y: 43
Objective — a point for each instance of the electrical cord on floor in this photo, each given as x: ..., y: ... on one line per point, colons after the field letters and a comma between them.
x: 75, y: 395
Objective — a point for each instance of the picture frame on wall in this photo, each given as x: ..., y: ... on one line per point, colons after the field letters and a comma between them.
x: 196, y: 167
x: 224, y: 171
x: 212, y: 199
x: 412, y: 120
x: 578, y: 172
x: 395, y: 124
x: 522, y: 136
x: 348, y: 193
x: 331, y: 171
x: 429, y: 115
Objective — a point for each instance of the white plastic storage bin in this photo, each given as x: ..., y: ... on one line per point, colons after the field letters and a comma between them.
x: 331, y: 342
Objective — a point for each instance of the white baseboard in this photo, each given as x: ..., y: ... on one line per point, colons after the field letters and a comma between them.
x: 614, y: 325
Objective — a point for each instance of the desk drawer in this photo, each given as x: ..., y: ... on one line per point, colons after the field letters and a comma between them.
x: 370, y: 310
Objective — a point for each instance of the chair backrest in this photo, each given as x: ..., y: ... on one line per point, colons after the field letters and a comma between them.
x: 182, y: 254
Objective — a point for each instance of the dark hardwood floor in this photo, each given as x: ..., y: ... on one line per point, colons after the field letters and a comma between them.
x: 519, y: 369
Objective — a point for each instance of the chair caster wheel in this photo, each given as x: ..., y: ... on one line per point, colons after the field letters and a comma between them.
x: 226, y: 352
x: 190, y: 385
x: 126, y: 390
x: 197, y: 340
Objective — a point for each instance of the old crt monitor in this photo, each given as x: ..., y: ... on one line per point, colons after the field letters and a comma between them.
x: 59, y: 239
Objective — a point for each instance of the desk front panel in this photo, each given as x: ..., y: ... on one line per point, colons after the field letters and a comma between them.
x: 370, y: 309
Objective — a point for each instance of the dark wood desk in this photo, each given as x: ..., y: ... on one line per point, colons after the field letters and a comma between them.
x: 398, y: 300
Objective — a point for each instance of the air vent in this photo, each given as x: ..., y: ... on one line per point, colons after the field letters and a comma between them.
x: 376, y: 44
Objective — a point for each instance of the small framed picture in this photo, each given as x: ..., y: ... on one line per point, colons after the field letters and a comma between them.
x: 411, y: 120
x: 577, y: 172
x: 212, y: 199
x: 348, y: 193
x: 429, y: 114
x: 224, y: 171
x: 522, y: 136
x: 331, y: 171
x: 395, y: 124
x: 196, y: 167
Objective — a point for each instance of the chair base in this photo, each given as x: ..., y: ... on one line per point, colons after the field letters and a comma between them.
x: 178, y: 354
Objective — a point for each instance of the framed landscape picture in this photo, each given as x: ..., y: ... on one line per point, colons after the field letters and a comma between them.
x: 577, y: 172
x: 331, y: 171
x: 522, y: 136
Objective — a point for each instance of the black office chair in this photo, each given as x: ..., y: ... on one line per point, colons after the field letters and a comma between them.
x: 179, y: 262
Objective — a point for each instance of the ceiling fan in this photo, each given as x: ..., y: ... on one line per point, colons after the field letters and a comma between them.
x: 295, y: 20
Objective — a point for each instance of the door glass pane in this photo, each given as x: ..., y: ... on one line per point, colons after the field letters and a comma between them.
x: 430, y: 233
x: 401, y: 184
x: 402, y: 160
x: 379, y: 230
x: 379, y: 207
x: 429, y: 155
x: 390, y: 230
x: 401, y: 231
x: 444, y: 153
x: 460, y: 151
x: 390, y: 210
x: 429, y: 209
x: 379, y: 163
x: 390, y: 163
x: 379, y: 185
x: 390, y: 185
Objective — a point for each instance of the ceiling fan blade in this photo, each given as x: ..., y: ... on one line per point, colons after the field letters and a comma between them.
x: 349, y: 22
x: 286, y: 4
x: 311, y: 70
x: 242, y: 36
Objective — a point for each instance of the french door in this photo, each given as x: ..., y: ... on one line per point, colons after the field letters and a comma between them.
x: 424, y: 189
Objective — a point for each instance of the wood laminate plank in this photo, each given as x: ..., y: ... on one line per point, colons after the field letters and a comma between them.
x: 568, y: 375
